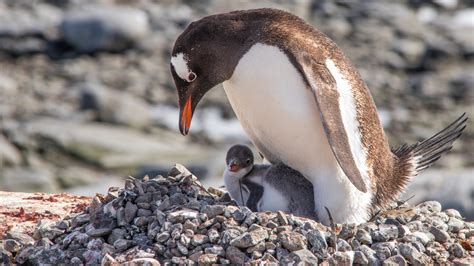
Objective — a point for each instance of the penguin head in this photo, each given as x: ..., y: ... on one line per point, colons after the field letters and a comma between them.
x: 203, y: 56
x: 239, y: 160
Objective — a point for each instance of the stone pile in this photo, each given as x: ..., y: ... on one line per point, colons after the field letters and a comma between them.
x: 174, y: 220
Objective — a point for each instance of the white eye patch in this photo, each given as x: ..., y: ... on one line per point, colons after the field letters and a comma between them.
x: 180, y: 64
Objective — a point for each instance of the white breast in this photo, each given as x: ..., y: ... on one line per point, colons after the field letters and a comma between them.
x: 282, y: 119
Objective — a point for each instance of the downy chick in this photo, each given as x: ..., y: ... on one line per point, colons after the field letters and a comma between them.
x: 263, y: 187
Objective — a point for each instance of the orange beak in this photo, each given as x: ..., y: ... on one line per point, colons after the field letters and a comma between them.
x: 186, y: 117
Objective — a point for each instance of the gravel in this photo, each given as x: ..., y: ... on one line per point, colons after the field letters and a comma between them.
x: 205, y: 227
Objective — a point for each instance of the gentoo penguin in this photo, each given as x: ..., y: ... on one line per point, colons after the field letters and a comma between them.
x: 264, y: 187
x: 303, y: 104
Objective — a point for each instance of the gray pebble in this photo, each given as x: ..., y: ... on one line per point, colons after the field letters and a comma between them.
x: 456, y: 250
x: 455, y: 225
x: 440, y: 235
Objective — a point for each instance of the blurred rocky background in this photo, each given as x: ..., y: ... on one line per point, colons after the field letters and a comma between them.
x: 86, y: 97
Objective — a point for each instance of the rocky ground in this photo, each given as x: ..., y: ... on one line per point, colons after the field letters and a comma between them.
x: 174, y: 220
x: 86, y: 96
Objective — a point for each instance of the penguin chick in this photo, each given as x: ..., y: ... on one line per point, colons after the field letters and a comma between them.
x: 263, y: 187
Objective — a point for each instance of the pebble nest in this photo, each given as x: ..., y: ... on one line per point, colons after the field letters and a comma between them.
x: 174, y: 220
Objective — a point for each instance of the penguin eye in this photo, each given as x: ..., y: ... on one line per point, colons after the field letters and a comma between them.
x: 248, y: 161
x: 191, y: 76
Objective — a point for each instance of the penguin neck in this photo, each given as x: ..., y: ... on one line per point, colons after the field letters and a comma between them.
x: 232, y: 181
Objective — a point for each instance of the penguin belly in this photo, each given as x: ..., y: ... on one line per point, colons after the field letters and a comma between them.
x: 280, y: 115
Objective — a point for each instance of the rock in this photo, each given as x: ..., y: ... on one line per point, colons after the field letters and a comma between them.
x: 456, y: 250
x: 107, y: 260
x: 182, y: 215
x: 369, y: 254
x: 249, y: 239
x: 440, y: 235
x: 347, y: 231
x: 213, y: 236
x: 412, y: 51
x: 207, y: 259
x: 11, y: 245
x: 343, y: 258
x: 282, y: 218
x: 25, y: 31
x: 455, y: 225
x: 28, y: 180
x: 74, y: 176
x: 143, y: 262
x: 453, y: 213
x: 385, y: 233
x: 130, y: 212
x: 99, y: 232
x: 432, y: 206
x: 114, y: 106
x: 198, y: 240
x: 48, y: 230
x: 217, y: 250
x: 109, y: 147
x: 394, y: 261
x: 363, y: 236
x: 236, y: 256
x: 300, y: 257
x: 360, y: 258
x: 317, y: 240
x: 22, y: 238
x: 80, y: 219
x: 213, y: 210
x: 412, y: 255
x: 292, y: 241
x: 97, y: 27
x: 122, y: 244
x: 9, y: 154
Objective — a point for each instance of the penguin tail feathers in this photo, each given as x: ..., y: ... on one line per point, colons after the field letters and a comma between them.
x: 421, y: 155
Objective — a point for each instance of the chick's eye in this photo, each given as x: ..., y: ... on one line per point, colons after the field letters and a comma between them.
x: 192, y: 76
x: 248, y: 160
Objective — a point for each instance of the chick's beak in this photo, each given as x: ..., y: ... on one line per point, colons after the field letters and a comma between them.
x: 234, y: 167
x: 186, y: 117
